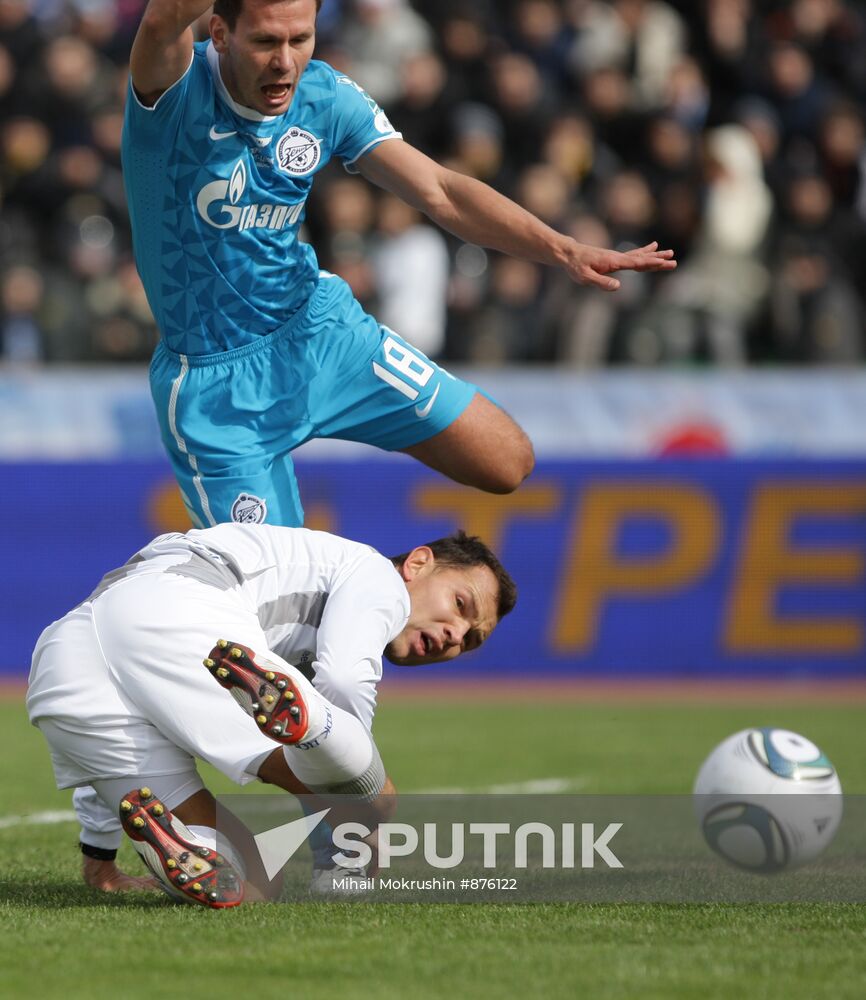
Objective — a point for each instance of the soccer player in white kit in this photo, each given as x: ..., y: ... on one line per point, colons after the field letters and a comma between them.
x: 118, y: 689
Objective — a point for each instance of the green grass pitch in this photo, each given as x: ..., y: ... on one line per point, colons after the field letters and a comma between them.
x: 61, y: 938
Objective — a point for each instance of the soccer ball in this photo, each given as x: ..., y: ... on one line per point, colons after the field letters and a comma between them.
x: 768, y: 799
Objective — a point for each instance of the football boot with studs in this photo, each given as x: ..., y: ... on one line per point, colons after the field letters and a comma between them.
x: 272, y: 698
x: 187, y: 869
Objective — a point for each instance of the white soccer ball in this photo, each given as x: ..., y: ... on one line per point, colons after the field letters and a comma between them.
x: 768, y: 799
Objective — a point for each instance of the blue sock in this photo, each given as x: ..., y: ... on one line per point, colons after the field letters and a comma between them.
x: 321, y: 839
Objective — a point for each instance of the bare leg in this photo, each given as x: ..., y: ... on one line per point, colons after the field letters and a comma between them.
x: 275, y: 771
x: 343, y: 809
x: 483, y: 448
x: 200, y: 810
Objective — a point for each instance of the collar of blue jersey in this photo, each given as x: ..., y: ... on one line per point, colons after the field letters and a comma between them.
x: 248, y: 113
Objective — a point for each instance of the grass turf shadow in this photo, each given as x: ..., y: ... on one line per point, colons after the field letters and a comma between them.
x: 53, y: 892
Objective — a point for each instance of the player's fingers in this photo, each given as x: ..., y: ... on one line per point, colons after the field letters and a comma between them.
x: 645, y: 253
x: 652, y: 249
x: 661, y: 260
x: 603, y: 281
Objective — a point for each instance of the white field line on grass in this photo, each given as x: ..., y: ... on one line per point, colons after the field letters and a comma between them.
x: 38, y: 819
x: 538, y: 786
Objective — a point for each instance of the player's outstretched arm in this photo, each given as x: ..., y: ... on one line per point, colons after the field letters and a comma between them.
x: 478, y: 214
x: 162, y: 48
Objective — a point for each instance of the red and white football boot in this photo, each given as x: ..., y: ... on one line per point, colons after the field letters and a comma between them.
x: 271, y: 697
x: 187, y: 869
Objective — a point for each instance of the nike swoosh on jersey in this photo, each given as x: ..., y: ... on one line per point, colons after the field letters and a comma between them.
x: 424, y: 411
x: 216, y: 136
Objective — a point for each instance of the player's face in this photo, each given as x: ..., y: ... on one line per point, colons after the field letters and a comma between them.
x: 453, y: 610
x: 262, y: 60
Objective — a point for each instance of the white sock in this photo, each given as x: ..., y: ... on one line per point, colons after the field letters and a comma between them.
x: 340, y: 750
x: 207, y: 837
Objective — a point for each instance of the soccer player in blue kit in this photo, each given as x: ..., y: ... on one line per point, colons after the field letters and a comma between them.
x: 260, y: 350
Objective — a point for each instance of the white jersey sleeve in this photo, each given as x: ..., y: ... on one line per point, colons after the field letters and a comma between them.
x: 362, y: 615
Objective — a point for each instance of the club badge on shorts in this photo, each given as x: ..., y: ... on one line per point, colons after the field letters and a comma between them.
x: 298, y: 152
x: 249, y: 509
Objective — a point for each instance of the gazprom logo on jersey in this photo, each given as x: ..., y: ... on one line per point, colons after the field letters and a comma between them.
x: 219, y: 204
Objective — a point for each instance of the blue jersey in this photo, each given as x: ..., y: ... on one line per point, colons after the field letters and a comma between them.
x: 216, y: 197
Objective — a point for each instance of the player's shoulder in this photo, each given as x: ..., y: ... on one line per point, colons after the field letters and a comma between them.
x: 352, y: 556
x: 320, y: 544
x: 191, y: 89
x: 345, y: 549
x: 319, y: 78
x: 198, y: 68
x: 324, y: 77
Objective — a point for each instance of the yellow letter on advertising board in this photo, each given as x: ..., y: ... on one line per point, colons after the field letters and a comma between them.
x: 484, y: 514
x: 594, y: 572
x: 165, y: 509
x: 768, y: 562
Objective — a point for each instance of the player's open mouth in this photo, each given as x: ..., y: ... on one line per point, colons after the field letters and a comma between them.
x: 275, y: 93
x: 424, y: 644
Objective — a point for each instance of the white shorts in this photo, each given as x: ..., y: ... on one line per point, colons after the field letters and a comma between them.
x: 121, y: 682
x: 119, y: 690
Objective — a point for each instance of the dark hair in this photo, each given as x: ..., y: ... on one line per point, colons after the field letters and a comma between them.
x: 461, y: 549
x: 230, y: 10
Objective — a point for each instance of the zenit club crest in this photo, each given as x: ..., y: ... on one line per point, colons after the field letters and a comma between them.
x: 298, y: 152
x: 249, y: 509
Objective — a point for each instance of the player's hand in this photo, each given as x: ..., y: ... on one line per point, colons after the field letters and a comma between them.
x: 107, y: 877
x: 593, y: 265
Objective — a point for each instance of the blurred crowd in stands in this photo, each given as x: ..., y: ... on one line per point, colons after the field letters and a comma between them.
x: 730, y: 130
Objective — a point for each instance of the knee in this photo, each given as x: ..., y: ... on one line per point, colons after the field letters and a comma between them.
x: 511, y: 467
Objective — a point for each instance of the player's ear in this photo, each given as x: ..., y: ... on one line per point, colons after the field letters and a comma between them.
x: 219, y: 33
x: 417, y: 563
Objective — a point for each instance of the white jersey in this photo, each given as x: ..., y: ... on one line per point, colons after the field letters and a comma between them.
x: 327, y: 605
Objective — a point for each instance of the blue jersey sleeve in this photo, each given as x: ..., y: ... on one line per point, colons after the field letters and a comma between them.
x: 157, y: 126
x: 359, y: 122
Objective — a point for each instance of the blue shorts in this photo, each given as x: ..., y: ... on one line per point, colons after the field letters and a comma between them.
x: 230, y: 421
